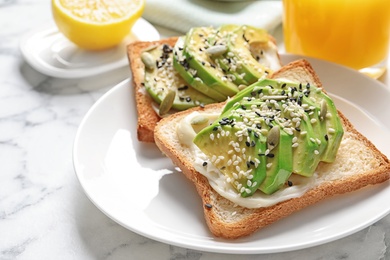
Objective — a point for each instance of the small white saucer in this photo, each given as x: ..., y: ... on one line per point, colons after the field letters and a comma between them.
x: 50, y: 53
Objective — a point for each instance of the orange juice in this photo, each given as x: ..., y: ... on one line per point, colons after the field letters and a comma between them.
x: 354, y: 33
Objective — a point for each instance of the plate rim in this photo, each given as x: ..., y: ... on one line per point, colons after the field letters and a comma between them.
x: 52, y: 71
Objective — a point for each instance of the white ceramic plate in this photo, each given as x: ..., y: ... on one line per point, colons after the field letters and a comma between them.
x: 137, y: 187
x: 49, y: 52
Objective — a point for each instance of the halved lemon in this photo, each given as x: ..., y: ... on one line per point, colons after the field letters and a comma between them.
x: 96, y: 24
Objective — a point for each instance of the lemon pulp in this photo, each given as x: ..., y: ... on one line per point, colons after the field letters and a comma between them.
x: 96, y: 24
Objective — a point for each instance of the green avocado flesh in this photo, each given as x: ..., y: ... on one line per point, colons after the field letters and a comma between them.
x: 269, y: 131
x: 220, y: 61
x: 161, y: 77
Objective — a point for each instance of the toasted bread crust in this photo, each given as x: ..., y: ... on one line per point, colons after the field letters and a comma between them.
x: 250, y: 220
x: 147, y: 117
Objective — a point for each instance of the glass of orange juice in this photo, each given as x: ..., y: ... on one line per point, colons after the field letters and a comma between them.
x: 354, y: 33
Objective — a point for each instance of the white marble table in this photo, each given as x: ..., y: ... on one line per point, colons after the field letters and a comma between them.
x: 44, y: 213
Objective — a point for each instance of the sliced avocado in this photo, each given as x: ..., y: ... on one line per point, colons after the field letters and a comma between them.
x: 181, y: 65
x: 279, y: 162
x: 227, y: 60
x: 238, y: 154
x: 241, y: 41
x: 268, y: 107
x: 196, y: 44
x: 332, y: 128
x: 161, y: 78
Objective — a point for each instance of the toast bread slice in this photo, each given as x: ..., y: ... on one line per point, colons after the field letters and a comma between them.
x: 147, y: 117
x: 358, y: 161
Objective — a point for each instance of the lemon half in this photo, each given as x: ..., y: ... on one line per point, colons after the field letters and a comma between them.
x: 96, y: 24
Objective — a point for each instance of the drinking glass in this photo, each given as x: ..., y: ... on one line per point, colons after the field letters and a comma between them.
x: 354, y: 33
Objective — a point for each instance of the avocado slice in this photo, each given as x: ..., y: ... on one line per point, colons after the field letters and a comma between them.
x: 180, y: 63
x: 161, y: 78
x: 244, y: 45
x: 332, y: 129
x: 279, y: 162
x: 228, y: 60
x: 239, y: 147
x: 197, y: 41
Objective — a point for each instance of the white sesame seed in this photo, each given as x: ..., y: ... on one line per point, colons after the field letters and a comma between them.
x: 294, y: 145
x: 316, y: 152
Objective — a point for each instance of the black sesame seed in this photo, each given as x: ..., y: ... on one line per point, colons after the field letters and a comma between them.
x: 326, y: 137
x: 283, y: 85
x: 207, y: 205
x: 248, y: 144
x: 204, y: 163
x: 270, y: 155
x: 298, y: 129
x: 188, y: 99
x: 256, y: 135
x: 248, y: 164
x: 245, y: 39
x: 253, y: 144
x: 252, y: 162
x: 289, y: 183
x: 183, y: 88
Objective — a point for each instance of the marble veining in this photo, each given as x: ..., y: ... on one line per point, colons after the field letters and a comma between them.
x: 44, y: 214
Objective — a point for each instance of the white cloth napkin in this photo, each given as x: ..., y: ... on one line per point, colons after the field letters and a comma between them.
x: 181, y: 15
